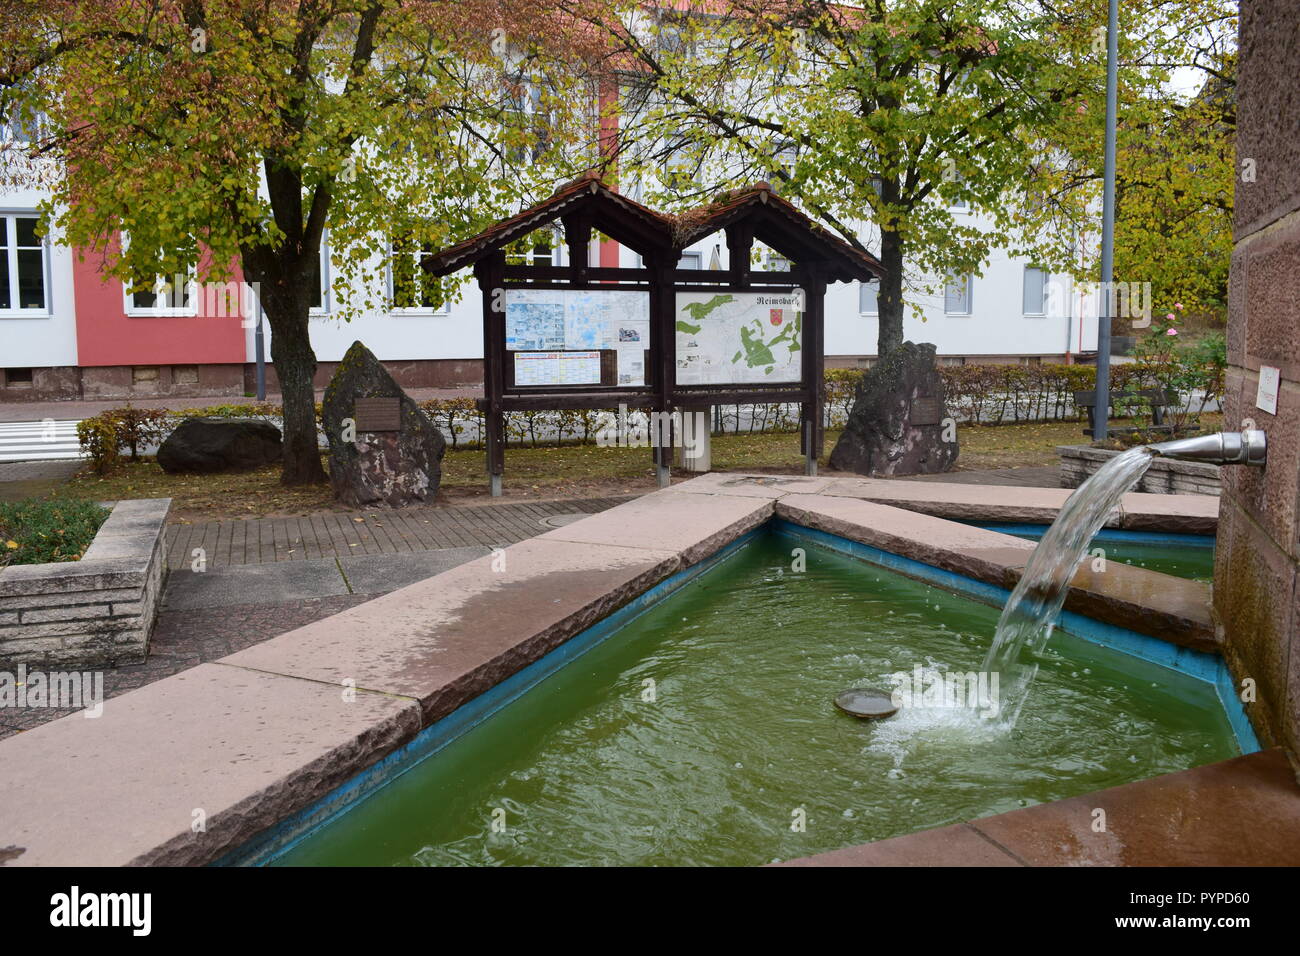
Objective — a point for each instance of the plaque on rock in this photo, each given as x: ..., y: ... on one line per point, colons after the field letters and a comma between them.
x: 377, y: 414
x: 926, y: 411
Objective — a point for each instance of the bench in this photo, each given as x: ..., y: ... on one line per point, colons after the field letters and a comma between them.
x: 1158, y: 399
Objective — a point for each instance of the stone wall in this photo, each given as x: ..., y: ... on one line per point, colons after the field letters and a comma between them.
x: 141, y: 383
x: 96, y: 612
x: 1164, y: 477
x: 1257, y: 557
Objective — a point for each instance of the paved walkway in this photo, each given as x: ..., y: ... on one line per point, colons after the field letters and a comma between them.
x: 340, y: 535
x: 31, y: 479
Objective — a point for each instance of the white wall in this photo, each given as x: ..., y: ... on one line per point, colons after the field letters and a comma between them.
x: 46, y: 340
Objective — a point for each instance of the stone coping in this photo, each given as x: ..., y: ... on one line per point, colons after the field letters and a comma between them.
x: 244, y: 742
x: 1160, y: 605
x: 96, y: 612
x: 1239, y: 812
x: 1187, y: 514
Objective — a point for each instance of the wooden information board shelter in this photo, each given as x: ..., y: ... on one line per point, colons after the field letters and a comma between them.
x: 685, y: 364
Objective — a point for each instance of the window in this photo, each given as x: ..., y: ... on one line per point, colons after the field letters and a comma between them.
x: 776, y: 263
x: 953, y: 175
x: 22, y: 131
x: 22, y: 265
x: 680, y: 164
x: 18, y: 377
x: 320, y: 290
x: 691, y: 260
x: 411, y: 289
x: 159, y: 294
x: 1035, y: 291
x: 956, y: 296
x: 543, y: 250
x: 867, y: 293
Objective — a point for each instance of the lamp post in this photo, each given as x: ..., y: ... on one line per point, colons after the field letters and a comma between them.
x: 1101, y: 417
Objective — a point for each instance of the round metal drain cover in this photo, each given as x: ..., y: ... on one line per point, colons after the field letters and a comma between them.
x: 559, y: 521
x: 868, y: 703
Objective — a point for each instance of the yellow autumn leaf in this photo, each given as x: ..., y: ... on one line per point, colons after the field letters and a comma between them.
x: 11, y: 545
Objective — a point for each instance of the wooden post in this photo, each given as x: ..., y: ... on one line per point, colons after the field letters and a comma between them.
x: 814, y: 363
x: 491, y: 281
x: 663, y: 355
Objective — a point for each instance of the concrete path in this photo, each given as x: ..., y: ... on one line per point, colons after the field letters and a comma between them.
x: 33, y: 479
x: 234, y: 604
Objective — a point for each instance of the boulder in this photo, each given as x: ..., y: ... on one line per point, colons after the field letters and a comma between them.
x: 220, y: 444
x: 392, y: 467
x: 898, y: 424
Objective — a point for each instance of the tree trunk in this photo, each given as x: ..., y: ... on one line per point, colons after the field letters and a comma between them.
x: 295, y: 366
x: 889, y: 303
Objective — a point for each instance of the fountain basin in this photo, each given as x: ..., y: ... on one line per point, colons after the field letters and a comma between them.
x: 740, y: 759
x: 275, y: 736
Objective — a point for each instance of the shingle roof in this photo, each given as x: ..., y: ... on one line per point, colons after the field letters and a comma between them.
x: 777, y: 222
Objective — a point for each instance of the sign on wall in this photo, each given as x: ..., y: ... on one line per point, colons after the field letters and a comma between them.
x: 739, y: 338
x: 553, y: 320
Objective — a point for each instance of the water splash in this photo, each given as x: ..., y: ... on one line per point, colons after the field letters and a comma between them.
x: 1031, y: 612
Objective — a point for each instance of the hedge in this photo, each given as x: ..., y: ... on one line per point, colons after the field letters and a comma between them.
x: 977, y: 394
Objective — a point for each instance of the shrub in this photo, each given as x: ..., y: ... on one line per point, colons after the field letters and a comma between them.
x: 137, y: 427
x: 34, y: 532
x: 99, y: 440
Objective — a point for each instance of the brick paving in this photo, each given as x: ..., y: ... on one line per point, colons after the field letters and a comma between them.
x: 339, y: 534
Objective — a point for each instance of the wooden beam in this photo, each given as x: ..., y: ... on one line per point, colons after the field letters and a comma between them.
x: 492, y: 288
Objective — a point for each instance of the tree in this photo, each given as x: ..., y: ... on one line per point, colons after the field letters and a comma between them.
x: 875, y: 113
x: 1174, y: 153
x: 217, y: 133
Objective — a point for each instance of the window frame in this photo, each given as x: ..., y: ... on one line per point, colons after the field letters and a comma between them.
x: 874, y: 289
x: 131, y: 310
x: 414, y: 311
x: 1024, y: 291
x: 11, y: 249
x: 968, y: 297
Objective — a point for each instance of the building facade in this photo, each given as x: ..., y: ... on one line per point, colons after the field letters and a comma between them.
x: 68, y: 332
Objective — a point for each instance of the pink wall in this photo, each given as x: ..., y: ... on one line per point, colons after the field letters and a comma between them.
x: 106, y: 335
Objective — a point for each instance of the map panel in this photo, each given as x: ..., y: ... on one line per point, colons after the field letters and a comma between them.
x: 739, y: 338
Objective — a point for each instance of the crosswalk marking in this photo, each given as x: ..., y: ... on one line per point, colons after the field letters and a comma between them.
x: 39, y: 441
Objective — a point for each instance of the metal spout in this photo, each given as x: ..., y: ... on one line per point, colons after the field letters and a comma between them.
x: 1247, y: 447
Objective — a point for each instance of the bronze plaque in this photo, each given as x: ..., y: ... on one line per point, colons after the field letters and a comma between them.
x: 926, y: 411
x: 378, y: 414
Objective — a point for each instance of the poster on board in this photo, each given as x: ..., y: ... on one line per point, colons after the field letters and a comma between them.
x: 549, y: 320
x: 739, y: 338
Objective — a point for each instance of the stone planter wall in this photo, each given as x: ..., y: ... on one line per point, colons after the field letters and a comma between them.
x: 1164, y: 477
x: 96, y: 612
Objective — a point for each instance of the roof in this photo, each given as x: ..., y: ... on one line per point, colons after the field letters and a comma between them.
x: 617, y: 216
x: 778, y: 223
x: 773, y: 220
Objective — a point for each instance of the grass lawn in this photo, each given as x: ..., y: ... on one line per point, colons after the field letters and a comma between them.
x: 566, y: 472
x: 36, y: 532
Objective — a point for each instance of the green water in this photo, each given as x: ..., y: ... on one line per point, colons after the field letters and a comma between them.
x: 1193, y: 559
x: 741, y: 743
